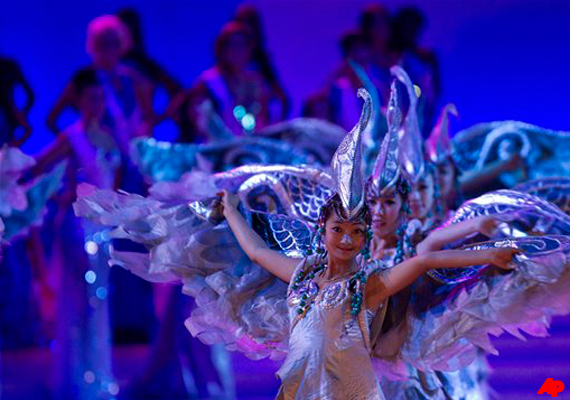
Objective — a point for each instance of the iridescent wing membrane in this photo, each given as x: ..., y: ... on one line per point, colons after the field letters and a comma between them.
x: 164, y: 161
x: 298, y: 192
x: 525, y: 298
x: 545, y: 152
x: 521, y: 214
x: 289, y: 236
x: 555, y: 190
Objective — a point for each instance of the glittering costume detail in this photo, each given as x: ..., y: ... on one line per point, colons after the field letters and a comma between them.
x: 522, y: 215
x: 346, y: 166
x: 555, y: 190
x: 386, y: 171
x: 524, y: 299
x: 23, y: 205
x: 330, y: 340
x: 411, y: 155
x: 438, y: 146
x: 545, y: 152
x: 328, y: 356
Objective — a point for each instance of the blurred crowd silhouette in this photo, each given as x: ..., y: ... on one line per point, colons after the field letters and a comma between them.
x: 48, y: 279
x: 243, y: 76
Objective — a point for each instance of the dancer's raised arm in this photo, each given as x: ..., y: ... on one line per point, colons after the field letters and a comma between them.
x: 382, y: 286
x: 438, y: 238
x: 251, y: 243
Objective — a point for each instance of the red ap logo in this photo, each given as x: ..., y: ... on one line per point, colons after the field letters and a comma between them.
x: 551, y: 387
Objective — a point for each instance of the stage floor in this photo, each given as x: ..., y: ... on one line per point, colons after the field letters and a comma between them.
x: 518, y: 374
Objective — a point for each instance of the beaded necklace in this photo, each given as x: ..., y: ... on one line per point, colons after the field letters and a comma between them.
x: 355, y: 284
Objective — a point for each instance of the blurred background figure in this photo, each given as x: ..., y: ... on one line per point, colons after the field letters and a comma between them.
x: 375, y: 23
x: 421, y: 64
x: 79, y: 256
x: 355, y: 47
x: 13, y: 116
x: 127, y: 114
x: 279, y: 103
x: 337, y: 102
x: 240, y: 96
x: 127, y: 93
x: 16, y: 274
x: 137, y: 58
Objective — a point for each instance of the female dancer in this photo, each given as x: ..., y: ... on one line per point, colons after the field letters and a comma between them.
x: 83, y: 336
x: 238, y: 95
x: 333, y: 296
x: 240, y: 304
x: 400, y: 219
x: 127, y: 94
x: 279, y: 103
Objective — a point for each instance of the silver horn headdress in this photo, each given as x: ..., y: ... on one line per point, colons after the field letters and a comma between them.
x: 346, y: 164
x: 386, y: 170
x: 411, y: 154
x: 438, y: 146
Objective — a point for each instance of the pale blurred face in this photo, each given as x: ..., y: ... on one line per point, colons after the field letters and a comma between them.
x: 446, y: 179
x: 386, y: 212
x: 107, y: 50
x: 91, y: 102
x: 344, y: 240
x: 421, y: 198
x: 237, y: 52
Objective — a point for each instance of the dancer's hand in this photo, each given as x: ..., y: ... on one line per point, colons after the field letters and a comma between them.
x: 502, y: 257
x: 230, y: 201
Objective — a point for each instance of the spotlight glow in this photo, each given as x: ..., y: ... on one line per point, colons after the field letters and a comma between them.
x: 89, y: 377
x: 90, y: 277
x: 91, y: 248
x: 113, y: 389
x: 248, y: 122
x: 101, y: 293
x: 239, y: 112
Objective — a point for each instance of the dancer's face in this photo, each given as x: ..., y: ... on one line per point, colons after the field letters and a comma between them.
x: 237, y: 52
x: 446, y: 179
x: 344, y: 240
x: 107, y: 50
x: 422, y: 197
x: 386, y: 212
x: 91, y: 102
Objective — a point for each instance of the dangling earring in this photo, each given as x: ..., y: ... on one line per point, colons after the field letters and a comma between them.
x: 401, y: 233
x: 406, y: 209
x: 316, y: 242
x: 319, y: 238
x: 366, y: 250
